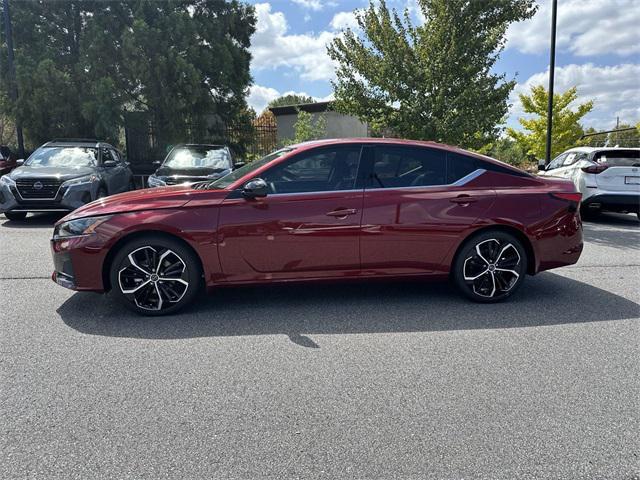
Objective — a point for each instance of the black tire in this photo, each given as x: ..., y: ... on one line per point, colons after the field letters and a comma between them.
x: 484, y: 275
x: 102, y: 192
x: 181, y: 265
x: 15, y: 216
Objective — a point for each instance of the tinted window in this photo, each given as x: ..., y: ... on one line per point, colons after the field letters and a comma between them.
x: 396, y: 167
x: 557, y: 162
x: 319, y: 170
x: 619, y: 158
x: 459, y: 166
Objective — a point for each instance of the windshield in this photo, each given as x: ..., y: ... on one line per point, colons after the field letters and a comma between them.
x: 63, y: 157
x: 217, y: 158
x: 248, y: 168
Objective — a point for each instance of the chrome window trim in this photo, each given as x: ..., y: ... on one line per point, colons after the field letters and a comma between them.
x: 458, y: 183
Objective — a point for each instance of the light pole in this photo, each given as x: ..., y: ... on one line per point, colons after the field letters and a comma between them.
x: 552, y: 67
x: 11, y: 73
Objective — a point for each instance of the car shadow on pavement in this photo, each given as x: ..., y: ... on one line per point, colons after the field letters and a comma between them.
x: 625, y: 234
x: 368, y: 307
x: 37, y: 220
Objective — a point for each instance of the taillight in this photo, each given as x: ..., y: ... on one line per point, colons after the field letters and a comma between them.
x: 595, y: 169
x: 569, y: 197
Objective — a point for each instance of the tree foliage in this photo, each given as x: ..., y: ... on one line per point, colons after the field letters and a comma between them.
x: 432, y: 81
x: 291, y: 99
x: 508, y: 151
x: 566, y: 129
x: 306, y: 128
x: 81, y: 64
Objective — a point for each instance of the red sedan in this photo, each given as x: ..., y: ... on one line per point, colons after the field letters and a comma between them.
x: 334, y: 209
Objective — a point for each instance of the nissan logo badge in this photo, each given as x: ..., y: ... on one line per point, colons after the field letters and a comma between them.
x: 37, y: 185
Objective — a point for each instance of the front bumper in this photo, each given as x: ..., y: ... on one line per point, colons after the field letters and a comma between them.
x: 67, y: 199
x: 77, y: 263
x: 617, y: 202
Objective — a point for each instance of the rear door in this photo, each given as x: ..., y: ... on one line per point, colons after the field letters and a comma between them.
x: 623, y: 174
x: 416, y: 204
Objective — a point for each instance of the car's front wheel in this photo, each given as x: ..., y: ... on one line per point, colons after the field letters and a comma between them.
x: 15, y: 216
x: 155, y: 275
x: 490, y: 267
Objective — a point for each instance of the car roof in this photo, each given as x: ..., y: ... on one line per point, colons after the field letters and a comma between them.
x: 401, y: 142
x: 77, y: 142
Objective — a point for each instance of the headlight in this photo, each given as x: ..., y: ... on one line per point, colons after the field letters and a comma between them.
x: 7, y: 180
x: 80, y: 180
x: 154, y: 181
x: 78, y: 227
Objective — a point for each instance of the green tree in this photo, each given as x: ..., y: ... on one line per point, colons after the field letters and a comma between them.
x: 566, y: 129
x: 291, y: 99
x: 307, y: 129
x: 628, y: 138
x: 432, y: 81
x: 81, y: 64
x: 508, y: 151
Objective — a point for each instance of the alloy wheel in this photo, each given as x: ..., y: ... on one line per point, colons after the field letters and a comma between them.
x: 154, y: 278
x: 493, y: 268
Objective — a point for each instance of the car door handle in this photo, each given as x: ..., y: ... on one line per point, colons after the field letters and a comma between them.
x: 342, y: 212
x: 463, y: 199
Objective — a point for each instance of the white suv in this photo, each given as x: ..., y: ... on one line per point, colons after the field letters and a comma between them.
x: 608, y: 178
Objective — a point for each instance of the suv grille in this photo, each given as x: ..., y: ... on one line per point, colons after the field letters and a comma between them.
x: 38, y: 188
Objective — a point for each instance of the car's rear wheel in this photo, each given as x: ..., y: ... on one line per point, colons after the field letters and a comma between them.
x: 155, y: 275
x: 15, y: 216
x: 490, y: 267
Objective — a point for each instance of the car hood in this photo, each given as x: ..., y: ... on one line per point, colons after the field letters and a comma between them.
x: 145, y: 199
x: 188, y: 172
x: 63, y: 173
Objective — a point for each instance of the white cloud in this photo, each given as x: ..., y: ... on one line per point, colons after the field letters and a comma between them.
x: 316, y: 5
x: 584, y: 28
x: 615, y: 91
x: 343, y: 20
x: 272, y: 47
x: 260, y: 96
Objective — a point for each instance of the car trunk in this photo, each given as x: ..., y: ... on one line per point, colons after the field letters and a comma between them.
x: 623, y: 172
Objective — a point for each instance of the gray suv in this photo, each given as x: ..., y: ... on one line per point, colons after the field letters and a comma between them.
x: 63, y: 175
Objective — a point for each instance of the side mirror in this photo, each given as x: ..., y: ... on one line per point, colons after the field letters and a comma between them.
x: 238, y: 164
x: 542, y: 166
x: 109, y: 163
x: 19, y: 162
x: 255, y: 188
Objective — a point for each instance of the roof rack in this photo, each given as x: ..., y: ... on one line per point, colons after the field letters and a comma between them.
x: 84, y: 140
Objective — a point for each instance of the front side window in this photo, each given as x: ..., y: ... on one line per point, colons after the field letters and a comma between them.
x: 227, y: 180
x: 216, y: 158
x: 557, y: 162
x: 318, y: 170
x: 397, y: 167
x: 63, y: 157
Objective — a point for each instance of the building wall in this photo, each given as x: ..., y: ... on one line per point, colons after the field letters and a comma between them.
x: 338, y: 126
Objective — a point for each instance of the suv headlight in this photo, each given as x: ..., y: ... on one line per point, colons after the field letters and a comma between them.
x: 80, y: 180
x: 78, y: 227
x: 154, y: 181
x: 7, y: 180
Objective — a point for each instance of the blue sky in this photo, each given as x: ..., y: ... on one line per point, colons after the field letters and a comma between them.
x: 598, y: 51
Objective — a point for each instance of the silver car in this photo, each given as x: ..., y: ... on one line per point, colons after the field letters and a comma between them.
x: 63, y: 175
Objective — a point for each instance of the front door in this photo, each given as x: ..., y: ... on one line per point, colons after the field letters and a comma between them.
x: 306, y: 227
x: 416, y: 205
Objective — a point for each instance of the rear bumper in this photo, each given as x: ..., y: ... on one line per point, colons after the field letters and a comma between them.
x: 628, y: 202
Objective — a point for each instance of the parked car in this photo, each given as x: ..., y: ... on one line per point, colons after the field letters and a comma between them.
x: 7, y: 160
x: 332, y: 209
x: 63, y: 175
x: 608, y: 178
x: 193, y: 163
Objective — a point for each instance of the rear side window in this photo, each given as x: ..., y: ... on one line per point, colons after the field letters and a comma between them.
x: 459, y: 166
x: 397, y: 167
x: 620, y: 158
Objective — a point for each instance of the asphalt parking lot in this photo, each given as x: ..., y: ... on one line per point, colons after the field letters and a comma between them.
x: 382, y: 380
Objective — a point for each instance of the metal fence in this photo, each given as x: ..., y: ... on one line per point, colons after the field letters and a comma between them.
x: 144, y: 143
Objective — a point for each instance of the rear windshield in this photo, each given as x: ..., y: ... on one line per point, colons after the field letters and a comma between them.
x: 622, y: 158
